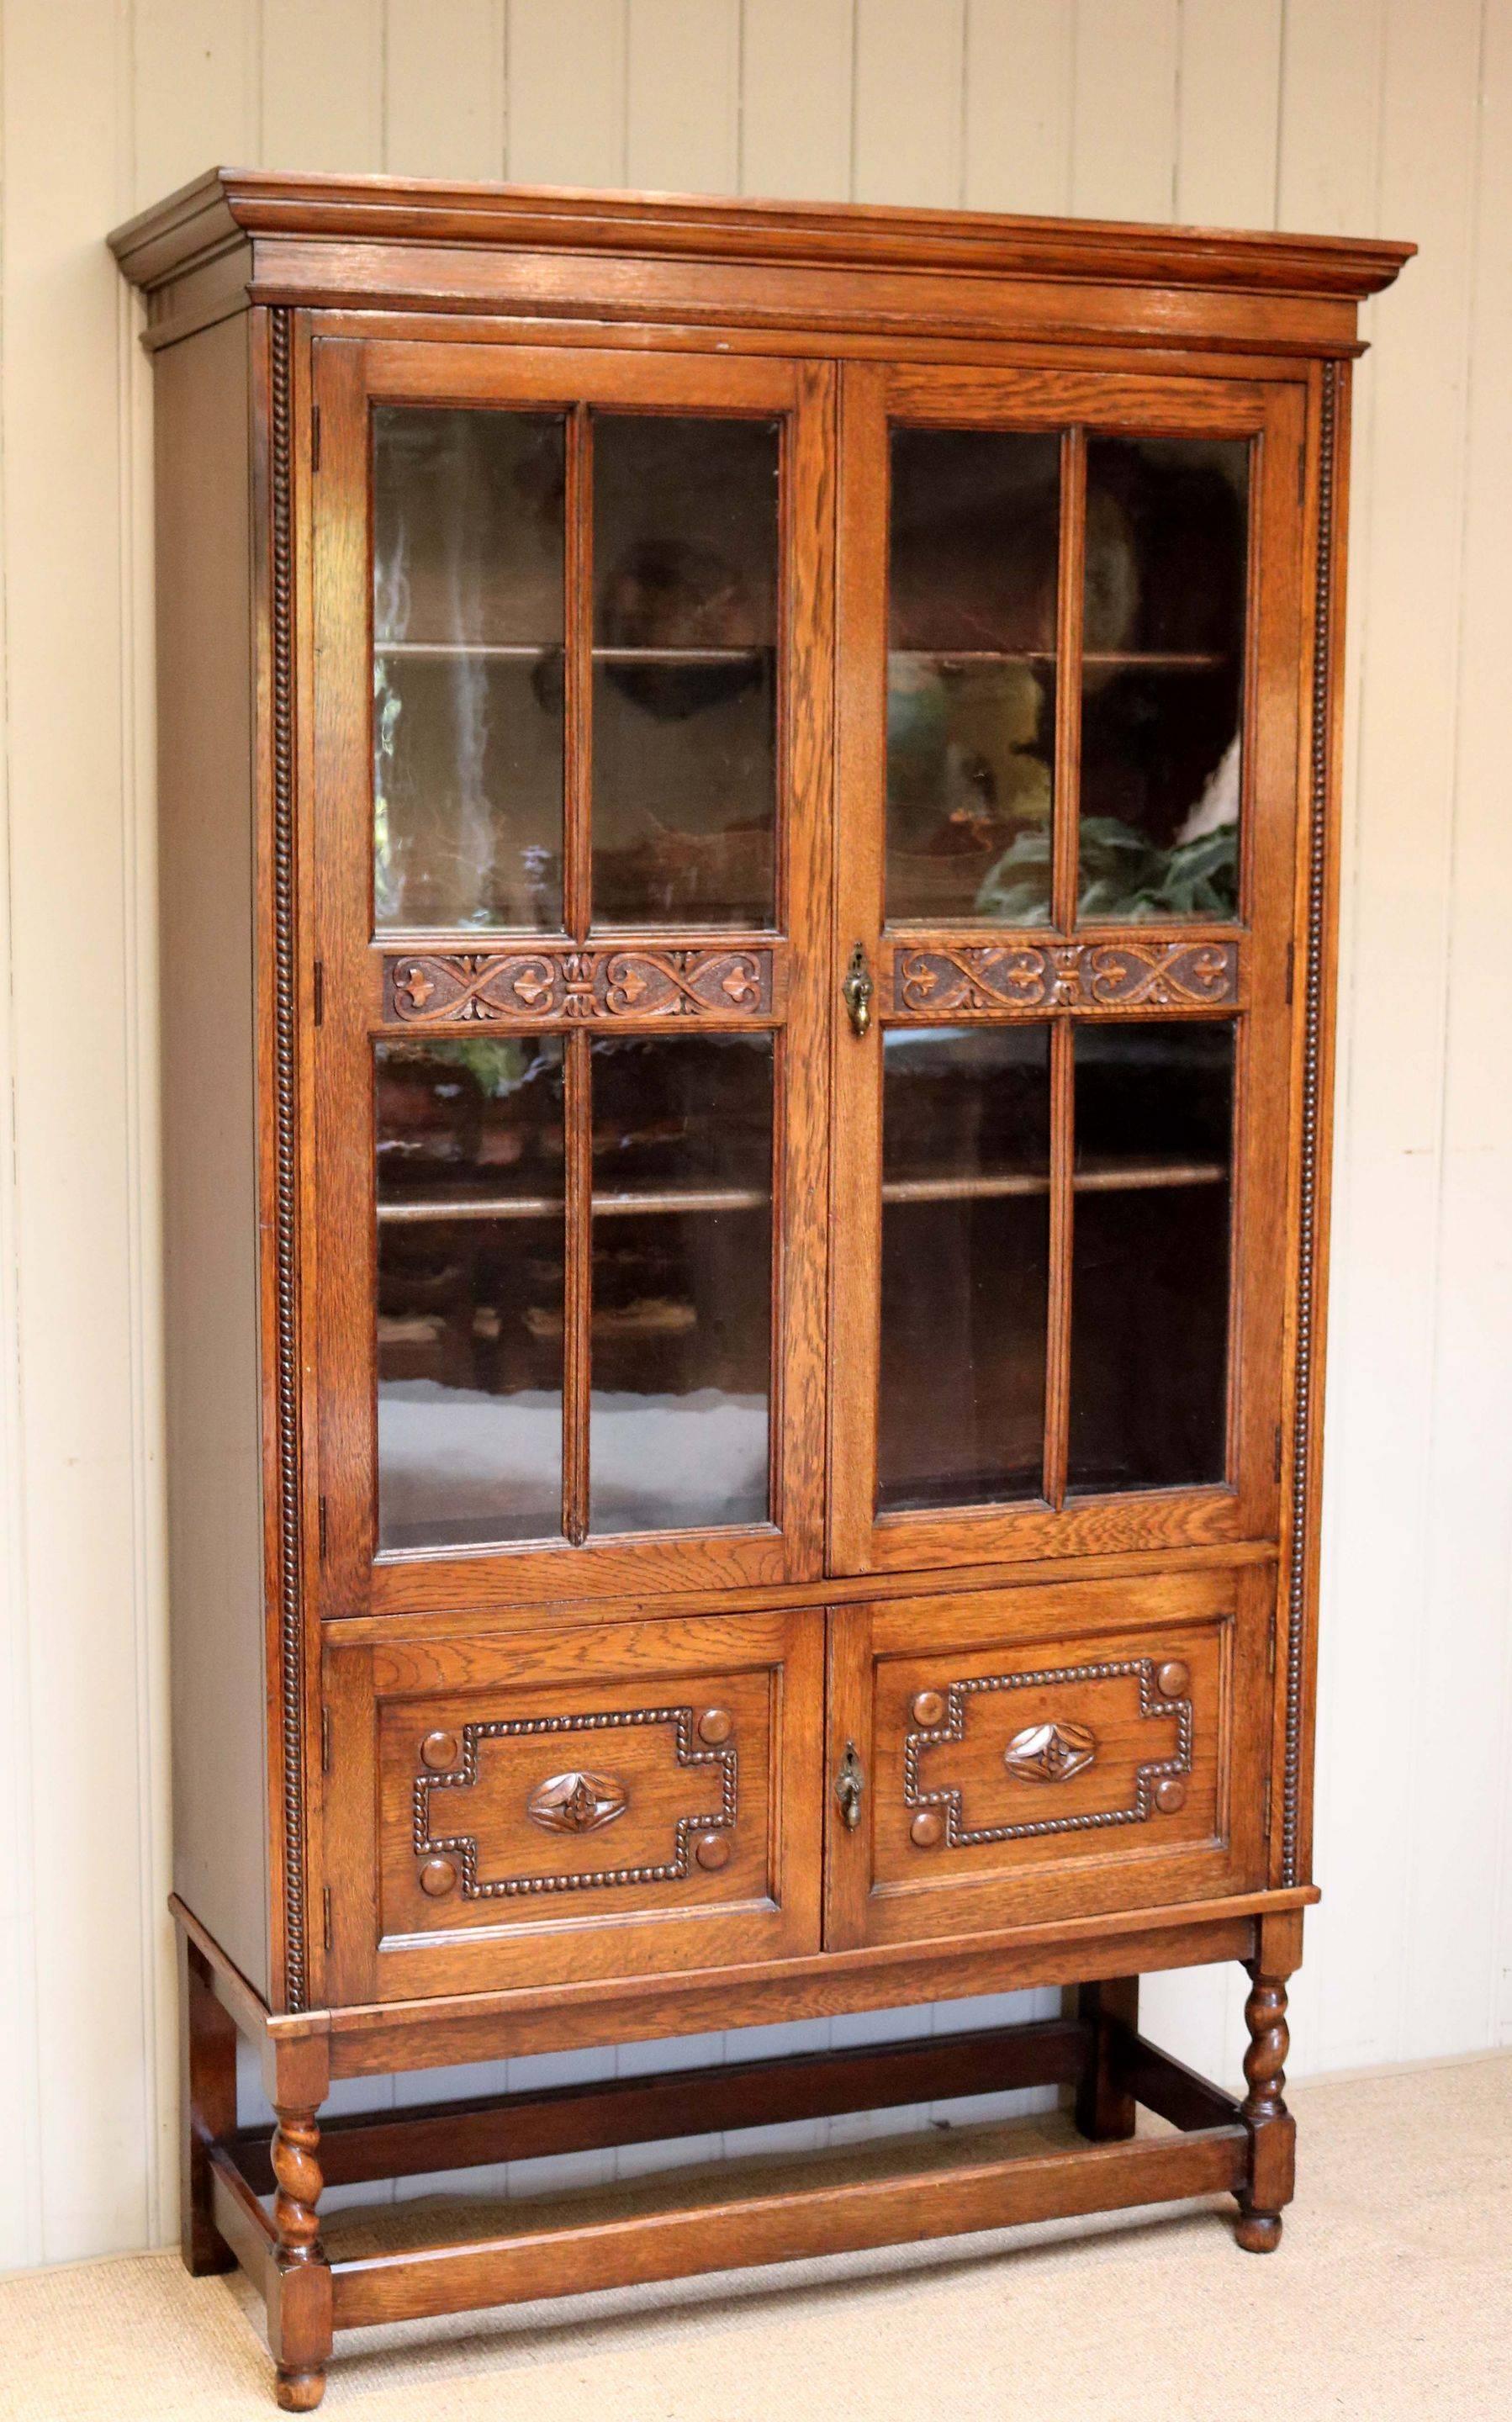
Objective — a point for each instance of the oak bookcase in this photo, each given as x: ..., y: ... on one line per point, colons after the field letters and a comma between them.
x: 748, y: 805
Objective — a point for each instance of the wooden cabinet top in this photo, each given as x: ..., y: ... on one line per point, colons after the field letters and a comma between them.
x: 427, y: 245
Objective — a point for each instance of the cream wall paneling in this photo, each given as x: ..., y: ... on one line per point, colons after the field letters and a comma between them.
x: 1356, y: 115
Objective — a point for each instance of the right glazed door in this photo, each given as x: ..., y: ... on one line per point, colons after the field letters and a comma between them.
x: 1068, y: 728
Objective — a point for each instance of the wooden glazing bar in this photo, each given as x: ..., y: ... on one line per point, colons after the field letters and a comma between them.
x: 671, y: 2229
x: 1067, y: 784
x: 539, y: 1207
x: 747, y: 2094
x: 578, y: 1284
x: 577, y: 802
x: 1058, y: 1324
x: 1166, y: 2086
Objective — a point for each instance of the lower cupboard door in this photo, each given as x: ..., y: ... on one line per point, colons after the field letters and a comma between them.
x: 1029, y: 1755
x: 547, y: 1806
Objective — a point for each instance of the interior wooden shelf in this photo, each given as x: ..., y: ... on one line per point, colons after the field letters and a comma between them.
x: 532, y: 652
x: 1131, y: 1177
x: 1145, y: 659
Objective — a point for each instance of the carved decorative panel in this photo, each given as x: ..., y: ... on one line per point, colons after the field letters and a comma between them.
x: 1050, y: 1753
x: 579, y: 1803
x: 557, y: 985
x: 576, y: 1802
x: 1054, y: 1751
x: 942, y: 979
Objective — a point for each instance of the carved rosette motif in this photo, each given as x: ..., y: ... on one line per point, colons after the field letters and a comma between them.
x: 982, y: 978
x: 552, y: 985
x: 692, y: 1831
x: 576, y: 1802
x: 1148, y: 1780
x: 1050, y: 1753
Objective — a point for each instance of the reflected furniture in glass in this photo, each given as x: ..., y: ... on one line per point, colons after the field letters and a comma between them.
x: 747, y: 853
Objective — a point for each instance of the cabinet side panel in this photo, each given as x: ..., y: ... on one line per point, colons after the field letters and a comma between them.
x: 205, y: 740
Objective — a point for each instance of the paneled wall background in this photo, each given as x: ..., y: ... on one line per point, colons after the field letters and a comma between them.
x: 1359, y: 116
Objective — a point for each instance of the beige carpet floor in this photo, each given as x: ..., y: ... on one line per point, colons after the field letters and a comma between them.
x: 1389, y: 2300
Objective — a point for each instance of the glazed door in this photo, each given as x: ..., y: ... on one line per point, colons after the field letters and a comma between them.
x: 571, y: 818
x: 1068, y: 768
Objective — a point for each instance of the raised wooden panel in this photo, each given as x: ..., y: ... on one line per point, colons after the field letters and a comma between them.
x: 1042, y: 1752
x: 602, y: 1804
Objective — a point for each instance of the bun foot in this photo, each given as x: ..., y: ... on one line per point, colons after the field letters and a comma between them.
x: 299, y: 2392
x: 1258, y: 2232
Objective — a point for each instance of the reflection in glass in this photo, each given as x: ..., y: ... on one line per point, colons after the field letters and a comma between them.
x: 971, y: 638
x: 1166, y: 554
x: 965, y: 1264
x: 470, y: 1291
x: 467, y: 668
x: 685, y: 557
x: 1150, y: 1254
x: 681, y: 1281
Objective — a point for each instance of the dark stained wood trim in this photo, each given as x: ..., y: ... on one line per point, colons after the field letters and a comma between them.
x: 683, y: 2103
x: 1310, y: 1210
x: 1167, y: 2086
x: 286, y: 1167
x: 238, y: 2216
x: 206, y: 216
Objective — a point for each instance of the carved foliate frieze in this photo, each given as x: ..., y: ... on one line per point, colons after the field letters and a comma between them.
x: 962, y: 980
x: 1051, y: 1751
x: 558, y: 984
x: 578, y: 1802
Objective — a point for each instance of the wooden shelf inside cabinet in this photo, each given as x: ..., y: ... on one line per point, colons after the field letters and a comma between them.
x: 799, y: 1503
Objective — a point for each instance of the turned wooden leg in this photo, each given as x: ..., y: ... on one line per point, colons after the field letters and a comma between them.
x: 299, y: 2286
x: 1104, y: 2108
x: 1272, y: 2130
x: 207, y: 2083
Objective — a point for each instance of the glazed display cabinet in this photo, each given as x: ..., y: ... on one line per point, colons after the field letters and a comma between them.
x: 748, y: 840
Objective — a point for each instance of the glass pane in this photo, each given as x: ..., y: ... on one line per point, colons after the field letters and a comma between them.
x: 966, y: 1160
x: 1150, y: 1256
x: 684, y: 630
x: 1167, y: 547
x: 681, y: 1282
x: 467, y: 668
x: 472, y: 1256
x: 971, y: 629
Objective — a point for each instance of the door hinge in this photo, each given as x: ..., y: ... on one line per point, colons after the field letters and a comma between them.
x: 1301, y: 475
x: 314, y: 438
x: 1275, y: 1465
x: 1291, y: 972
x: 325, y: 1740
x: 1265, y: 1809
x: 317, y: 992
x: 1270, y: 1649
x: 322, y: 1529
x: 325, y: 1914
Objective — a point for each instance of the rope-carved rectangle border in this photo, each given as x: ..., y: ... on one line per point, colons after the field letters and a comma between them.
x: 562, y: 984
x: 937, y: 978
x: 1153, y: 1703
x: 464, y: 1846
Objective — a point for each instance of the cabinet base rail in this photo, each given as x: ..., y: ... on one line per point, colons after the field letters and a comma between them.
x: 254, y: 2202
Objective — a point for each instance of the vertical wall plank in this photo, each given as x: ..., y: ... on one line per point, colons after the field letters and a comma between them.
x: 196, y: 90
x: 1463, y: 1678
x: 566, y: 97
x: 322, y: 84
x: 66, y: 141
x: 1383, y: 1755
x: 796, y: 98
x: 1021, y: 58
x: 910, y: 65
x: 683, y: 96
x: 444, y: 89
x: 1228, y: 111
x: 1124, y: 141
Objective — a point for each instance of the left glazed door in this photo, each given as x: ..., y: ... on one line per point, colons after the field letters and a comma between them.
x: 570, y: 773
